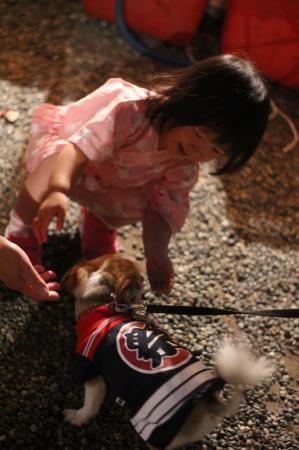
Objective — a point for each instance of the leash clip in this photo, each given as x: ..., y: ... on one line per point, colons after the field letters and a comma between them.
x: 138, y: 310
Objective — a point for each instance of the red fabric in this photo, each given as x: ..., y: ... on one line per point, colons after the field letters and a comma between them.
x: 267, y: 32
x: 30, y: 246
x: 96, y: 238
x: 173, y: 21
x: 93, y: 326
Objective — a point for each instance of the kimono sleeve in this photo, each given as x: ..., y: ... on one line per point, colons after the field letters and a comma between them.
x: 170, y: 195
x: 101, y: 122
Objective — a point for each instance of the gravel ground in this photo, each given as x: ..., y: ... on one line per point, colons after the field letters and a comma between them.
x: 238, y: 248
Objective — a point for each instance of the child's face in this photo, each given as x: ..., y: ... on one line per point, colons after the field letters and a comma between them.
x: 191, y: 142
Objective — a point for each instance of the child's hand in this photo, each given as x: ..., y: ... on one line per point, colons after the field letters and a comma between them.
x: 55, y: 205
x: 160, y: 274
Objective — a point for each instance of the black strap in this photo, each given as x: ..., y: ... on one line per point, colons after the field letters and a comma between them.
x: 206, y: 311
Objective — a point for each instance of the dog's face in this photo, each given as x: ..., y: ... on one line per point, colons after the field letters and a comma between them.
x: 101, y: 280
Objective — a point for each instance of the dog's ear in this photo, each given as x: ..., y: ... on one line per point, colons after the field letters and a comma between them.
x: 73, y: 278
x: 129, y: 289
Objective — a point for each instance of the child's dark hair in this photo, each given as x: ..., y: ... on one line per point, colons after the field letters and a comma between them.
x: 225, y: 94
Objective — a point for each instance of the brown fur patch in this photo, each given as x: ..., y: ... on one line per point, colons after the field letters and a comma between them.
x: 127, y: 276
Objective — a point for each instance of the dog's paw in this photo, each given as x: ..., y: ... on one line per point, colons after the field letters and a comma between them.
x: 76, y: 417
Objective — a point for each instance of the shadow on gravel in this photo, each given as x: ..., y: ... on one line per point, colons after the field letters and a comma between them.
x: 263, y: 199
x: 39, y: 386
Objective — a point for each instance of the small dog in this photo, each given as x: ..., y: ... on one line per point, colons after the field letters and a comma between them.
x: 174, y: 397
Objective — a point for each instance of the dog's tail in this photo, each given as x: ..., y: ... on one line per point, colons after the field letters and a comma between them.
x: 237, y: 366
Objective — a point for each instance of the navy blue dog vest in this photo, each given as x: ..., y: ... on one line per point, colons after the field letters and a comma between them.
x: 144, y: 368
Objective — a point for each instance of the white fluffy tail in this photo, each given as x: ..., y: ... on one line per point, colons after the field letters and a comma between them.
x: 236, y: 365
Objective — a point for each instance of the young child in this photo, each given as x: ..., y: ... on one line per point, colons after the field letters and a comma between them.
x: 127, y: 154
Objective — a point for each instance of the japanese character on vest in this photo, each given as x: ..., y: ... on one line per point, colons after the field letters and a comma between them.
x: 143, y: 367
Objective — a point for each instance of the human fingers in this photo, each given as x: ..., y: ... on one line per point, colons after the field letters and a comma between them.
x: 39, y: 268
x: 161, y: 281
x: 153, y: 277
x: 51, y: 296
x: 163, y: 286
x: 60, y: 217
x: 52, y: 293
x: 48, y: 275
x: 157, y: 291
x: 156, y: 283
x: 45, y: 218
x: 44, y: 273
x: 36, y: 225
x: 168, y: 280
x: 54, y: 286
x: 31, y: 278
x: 41, y: 222
x: 167, y: 285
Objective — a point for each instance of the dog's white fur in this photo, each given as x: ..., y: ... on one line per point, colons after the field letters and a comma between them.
x: 233, y: 362
x: 237, y: 366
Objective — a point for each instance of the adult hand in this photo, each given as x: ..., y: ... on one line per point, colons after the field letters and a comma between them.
x: 55, y: 205
x: 51, y: 286
x: 160, y: 274
x: 17, y: 272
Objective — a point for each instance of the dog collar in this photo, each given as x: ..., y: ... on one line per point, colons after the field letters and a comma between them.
x: 137, y: 310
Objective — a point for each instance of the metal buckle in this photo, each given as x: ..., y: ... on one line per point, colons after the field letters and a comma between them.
x: 138, y: 310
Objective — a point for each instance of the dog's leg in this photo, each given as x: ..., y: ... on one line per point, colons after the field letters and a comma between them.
x: 94, y: 393
x: 232, y: 405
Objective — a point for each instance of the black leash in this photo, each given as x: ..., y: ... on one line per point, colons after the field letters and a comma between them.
x: 206, y: 311
x: 142, y: 309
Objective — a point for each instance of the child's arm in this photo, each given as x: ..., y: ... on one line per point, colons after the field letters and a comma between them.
x: 67, y: 169
x: 156, y: 238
